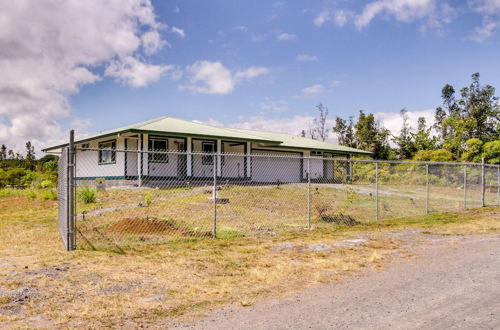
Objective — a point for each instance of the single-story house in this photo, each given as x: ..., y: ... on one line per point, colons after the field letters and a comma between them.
x: 253, y: 160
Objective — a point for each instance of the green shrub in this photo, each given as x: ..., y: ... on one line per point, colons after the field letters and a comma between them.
x: 87, y: 195
x: 49, y: 194
x: 31, y: 193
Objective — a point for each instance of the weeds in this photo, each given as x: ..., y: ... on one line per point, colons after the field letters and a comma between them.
x: 87, y: 195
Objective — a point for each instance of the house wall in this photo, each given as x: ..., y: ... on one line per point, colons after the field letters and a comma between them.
x: 168, y: 168
x: 87, y: 162
x: 265, y: 169
x: 233, y: 166
x: 132, y: 158
x: 199, y: 169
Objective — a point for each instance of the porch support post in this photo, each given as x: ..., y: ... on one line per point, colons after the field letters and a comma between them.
x: 249, y: 160
x: 139, y: 160
x: 309, y: 192
x: 219, y: 163
x: 189, y: 156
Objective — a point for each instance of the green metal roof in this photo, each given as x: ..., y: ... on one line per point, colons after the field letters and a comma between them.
x: 174, y: 126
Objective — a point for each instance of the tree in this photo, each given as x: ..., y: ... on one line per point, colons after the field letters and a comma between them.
x: 371, y: 137
x: 30, y: 156
x: 3, y: 152
x: 303, y: 133
x: 319, y: 124
x: 404, y: 140
x: 475, y: 115
x: 344, y: 131
x: 423, y: 139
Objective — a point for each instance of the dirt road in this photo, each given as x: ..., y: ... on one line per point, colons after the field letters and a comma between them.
x: 455, y: 283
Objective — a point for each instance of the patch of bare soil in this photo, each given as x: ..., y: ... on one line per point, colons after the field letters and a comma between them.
x: 152, y: 226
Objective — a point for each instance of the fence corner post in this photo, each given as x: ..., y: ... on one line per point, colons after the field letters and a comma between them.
x: 215, y: 195
x: 427, y: 188
x: 465, y: 186
x: 498, y: 185
x: 482, y: 183
x: 309, y: 192
x: 376, y: 191
x: 71, y: 240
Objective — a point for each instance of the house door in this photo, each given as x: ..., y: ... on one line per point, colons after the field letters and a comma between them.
x: 182, y: 161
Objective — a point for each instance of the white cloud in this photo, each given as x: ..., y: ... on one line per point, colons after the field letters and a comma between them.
x: 130, y: 71
x: 484, y: 31
x: 251, y: 72
x: 490, y: 10
x: 487, y: 7
x: 179, y: 32
x: 312, y: 91
x: 339, y: 17
x: 214, y: 78
x: 393, y: 121
x: 49, y: 49
x: 292, y: 125
x: 335, y: 83
x: 402, y: 10
x: 274, y: 106
x: 152, y: 42
x: 285, y: 36
x: 241, y: 28
x: 306, y: 58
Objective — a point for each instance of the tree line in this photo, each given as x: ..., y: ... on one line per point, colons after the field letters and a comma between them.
x: 466, y: 128
x: 18, y: 170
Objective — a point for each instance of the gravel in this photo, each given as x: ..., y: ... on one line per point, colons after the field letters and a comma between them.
x: 454, y: 284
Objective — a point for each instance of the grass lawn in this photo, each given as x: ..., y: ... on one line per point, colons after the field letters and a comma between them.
x: 161, y: 279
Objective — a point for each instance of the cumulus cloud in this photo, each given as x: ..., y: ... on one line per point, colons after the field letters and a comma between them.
x: 179, y: 32
x: 49, y: 49
x: 490, y: 10
x: 214, y: 78
x: 285, y: 36
x: 339, y: 17
x: 402, y: 10
x: 306, y: 58
x: 393, y: 121
x: 312, y: 91
x: 274, y: 106
x: 132, y: 72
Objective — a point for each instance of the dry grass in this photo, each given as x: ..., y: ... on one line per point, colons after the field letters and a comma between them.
x: 107, y: 289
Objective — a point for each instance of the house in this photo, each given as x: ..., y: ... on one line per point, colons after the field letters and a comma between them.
x: 241, y: 154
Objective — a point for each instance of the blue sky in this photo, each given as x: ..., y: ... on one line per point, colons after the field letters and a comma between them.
x: 265, y: 64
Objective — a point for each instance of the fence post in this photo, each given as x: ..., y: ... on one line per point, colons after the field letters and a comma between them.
x: 309, y: 193
x: 482, y: 182
x: 465, y: 186
x: 426, y: 188
x: 215, y: 196
x: 498, y: 185
x: 376, y: 190
x: 70, y: 191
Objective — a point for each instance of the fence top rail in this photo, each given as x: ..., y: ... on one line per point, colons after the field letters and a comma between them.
x: 270, y: 155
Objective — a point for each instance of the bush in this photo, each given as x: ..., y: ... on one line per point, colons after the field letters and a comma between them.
x: 49, y: 194
x: 87, y: 195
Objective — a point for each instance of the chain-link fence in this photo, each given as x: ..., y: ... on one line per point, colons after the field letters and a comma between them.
x: 128, y: 197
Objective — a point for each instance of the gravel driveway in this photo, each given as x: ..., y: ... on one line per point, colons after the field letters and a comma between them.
x: 455, y: 283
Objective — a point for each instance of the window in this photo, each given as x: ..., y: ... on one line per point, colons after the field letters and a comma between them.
x: 107, y: 156
x: 157, y: 144
x: 208, y: 147
x: 316, y: 153
x: 85, y: 146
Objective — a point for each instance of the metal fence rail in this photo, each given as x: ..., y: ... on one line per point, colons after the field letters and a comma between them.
x: 129, y: 197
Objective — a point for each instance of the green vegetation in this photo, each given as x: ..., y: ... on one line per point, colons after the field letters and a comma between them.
x: 87, y: 195
x: 465, y: 129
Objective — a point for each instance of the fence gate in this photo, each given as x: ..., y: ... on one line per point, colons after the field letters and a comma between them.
x: 65, y: 197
